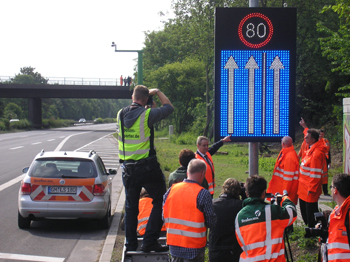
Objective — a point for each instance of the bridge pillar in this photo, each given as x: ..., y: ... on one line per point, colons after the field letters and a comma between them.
x: 34, y: 112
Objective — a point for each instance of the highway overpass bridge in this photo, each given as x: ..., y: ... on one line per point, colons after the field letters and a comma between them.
x: 62, y: 88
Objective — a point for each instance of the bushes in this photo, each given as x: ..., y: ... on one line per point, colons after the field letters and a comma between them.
x: 21, y: 124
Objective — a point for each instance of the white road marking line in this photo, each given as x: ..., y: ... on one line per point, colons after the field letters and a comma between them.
x: 31, y: 258
x: 58, y: 148
x: 51, y: 140
x: 36, y: 143
x: 11, y: 182
x: 62, y: 136
x: 18, y: 147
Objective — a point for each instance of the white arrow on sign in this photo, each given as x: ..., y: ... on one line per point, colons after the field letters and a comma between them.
x: 251, y: 66
x: 231, y: 65
x: 276, y: 65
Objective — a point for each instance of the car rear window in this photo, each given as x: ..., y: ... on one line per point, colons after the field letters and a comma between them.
x: 63, y: 168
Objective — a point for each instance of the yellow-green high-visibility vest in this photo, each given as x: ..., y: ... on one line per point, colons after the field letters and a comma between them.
x: 136, y: 138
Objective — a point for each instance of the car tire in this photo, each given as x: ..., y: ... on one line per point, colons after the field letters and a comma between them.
x: 106, y: 220
x: 23, y: 222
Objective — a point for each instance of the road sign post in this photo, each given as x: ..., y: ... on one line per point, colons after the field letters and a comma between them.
x: 255, y: 52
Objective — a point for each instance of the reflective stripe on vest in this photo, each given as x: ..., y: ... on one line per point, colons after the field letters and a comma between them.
x: 136, y: 138
x: 267, y: 243
x: 184, y: 229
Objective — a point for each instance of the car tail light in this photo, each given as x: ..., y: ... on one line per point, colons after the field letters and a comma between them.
x: 99, y: 190
x: 26, y: 188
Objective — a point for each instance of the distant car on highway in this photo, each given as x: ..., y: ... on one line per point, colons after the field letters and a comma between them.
x: 82, y: 120
x: 67, y: 185
x: 13, y: 120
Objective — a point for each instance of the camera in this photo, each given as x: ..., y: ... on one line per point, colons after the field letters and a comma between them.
x: 149, y: 101
x: 322, y: 231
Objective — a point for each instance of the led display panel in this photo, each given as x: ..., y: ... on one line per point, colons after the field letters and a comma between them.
x: 255, y: 51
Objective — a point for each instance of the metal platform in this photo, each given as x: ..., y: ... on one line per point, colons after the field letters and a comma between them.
x: 140, y: 256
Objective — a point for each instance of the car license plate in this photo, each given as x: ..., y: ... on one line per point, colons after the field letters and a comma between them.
x: 62, y: 189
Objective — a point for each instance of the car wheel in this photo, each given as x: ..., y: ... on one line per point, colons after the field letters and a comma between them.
x: 23, y: 222
x: 106, y: 220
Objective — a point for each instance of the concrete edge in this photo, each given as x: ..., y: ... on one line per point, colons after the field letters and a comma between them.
x: 108, y: 246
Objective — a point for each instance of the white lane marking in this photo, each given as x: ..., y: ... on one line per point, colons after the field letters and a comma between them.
x: 58, y: 148
x: 92, y: 142
x: 51, y: 140
x: 36, y: 143
x: 31, y: 258
x: 62, y: 136
x: 11, y: 182
x: 18, y: 147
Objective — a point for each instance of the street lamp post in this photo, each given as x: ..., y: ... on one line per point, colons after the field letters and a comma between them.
x: 139, y: 62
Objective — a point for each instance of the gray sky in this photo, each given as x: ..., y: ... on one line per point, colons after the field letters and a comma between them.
x: 72, y: 38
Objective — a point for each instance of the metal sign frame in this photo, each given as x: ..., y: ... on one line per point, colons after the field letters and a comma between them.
x: 255, y: 62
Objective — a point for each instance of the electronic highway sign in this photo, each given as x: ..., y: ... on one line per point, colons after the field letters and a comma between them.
x: 255, y: 52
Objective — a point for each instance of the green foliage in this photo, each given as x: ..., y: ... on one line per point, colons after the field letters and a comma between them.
x: 12, y: 111
x: 2, y: 126
x: 298, y: 237
x: 28, y: 76
x: 184, y: 139
x: 184, y: 85
x: 267, y: 164
x: 21, y: 124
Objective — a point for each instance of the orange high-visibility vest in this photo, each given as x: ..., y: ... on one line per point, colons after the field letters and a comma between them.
x: 338, y: 245
x: 286, y: 174
x: 325, y: 168
x: 311, y: 170
x: 209, y: 174
x: 145, y: 209
x: 184, y: 222
x: 304, y: 146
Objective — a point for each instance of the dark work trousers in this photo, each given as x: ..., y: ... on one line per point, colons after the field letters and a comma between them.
x: 307, y: 210
x: 156, y: 190
x: 325, y: 189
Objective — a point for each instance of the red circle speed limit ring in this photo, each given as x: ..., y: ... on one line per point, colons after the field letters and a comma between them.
x: 255, y: 30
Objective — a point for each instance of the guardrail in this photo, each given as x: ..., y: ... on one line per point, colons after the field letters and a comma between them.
x: 73, y: 81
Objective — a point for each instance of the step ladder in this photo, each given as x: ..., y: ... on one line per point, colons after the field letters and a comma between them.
x: 139, y: 256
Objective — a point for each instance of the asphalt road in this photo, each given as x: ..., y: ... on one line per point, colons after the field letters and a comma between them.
x: 49, y: 240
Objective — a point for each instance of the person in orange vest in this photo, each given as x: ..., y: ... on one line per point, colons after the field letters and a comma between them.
x: 304, y: 146
x: 204, y: 153
x: 310, y: 178
x: 286, y: 172
x: 188, y: 212
x: 328, y: 163
x: 145, y: 208
x: 338, y: 230
x: 260, y: 226
x: 121, y: 80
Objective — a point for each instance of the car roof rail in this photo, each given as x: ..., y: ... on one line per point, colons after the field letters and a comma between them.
x: 91, y: 153
x: 42, y: 152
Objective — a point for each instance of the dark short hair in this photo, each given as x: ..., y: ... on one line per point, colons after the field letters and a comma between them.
x: 140, y: 92
x: 185, y: 156
x: 255, y: 186
x: 314, y: 134
x: 342, y: 183
x: 231, y: 187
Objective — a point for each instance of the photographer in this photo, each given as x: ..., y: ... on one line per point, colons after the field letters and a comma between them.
x: 223, y: 245
x: 338, y: 232
x: 141, y: 168
x: 260, y: 226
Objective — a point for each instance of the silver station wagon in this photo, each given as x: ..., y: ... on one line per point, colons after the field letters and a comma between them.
x: 67, y: 185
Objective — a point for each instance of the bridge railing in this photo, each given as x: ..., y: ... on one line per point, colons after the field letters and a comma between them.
x: 74, y: 81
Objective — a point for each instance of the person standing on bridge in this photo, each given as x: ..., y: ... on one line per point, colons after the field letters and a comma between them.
x: 140, y: 166
x: 121, y: 80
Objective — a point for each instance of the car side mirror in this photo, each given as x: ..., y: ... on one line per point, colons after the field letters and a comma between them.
x: 25, y: 170
x: 112, y: 171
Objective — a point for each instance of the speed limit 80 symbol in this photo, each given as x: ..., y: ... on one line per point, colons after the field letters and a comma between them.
x: 255, y: 30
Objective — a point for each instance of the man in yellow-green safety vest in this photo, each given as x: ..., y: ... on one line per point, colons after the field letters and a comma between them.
x: 139, y: 164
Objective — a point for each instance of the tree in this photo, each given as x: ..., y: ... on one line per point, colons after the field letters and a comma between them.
x: 336, y: 44
x: 184, y: 85
x: 28, y: 76
x: 12, y: 111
